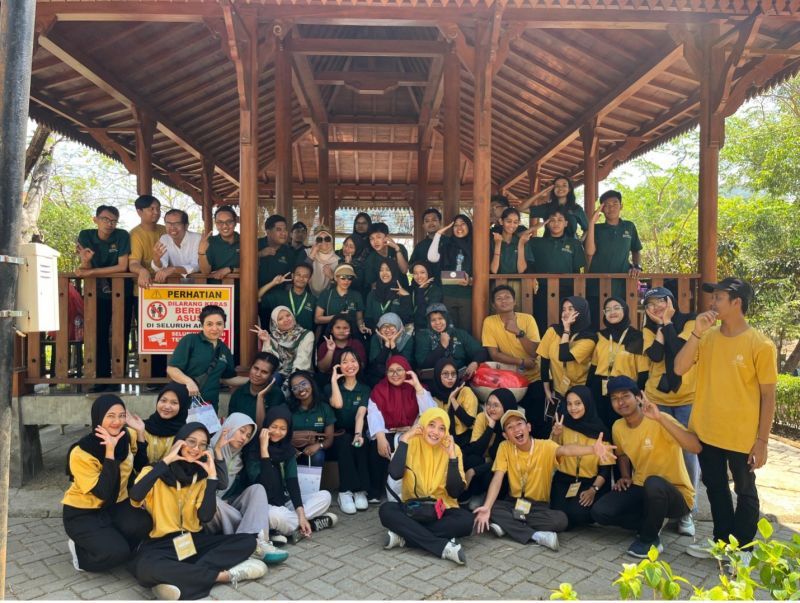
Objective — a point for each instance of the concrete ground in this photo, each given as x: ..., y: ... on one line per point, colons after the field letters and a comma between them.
x: 348, y: 562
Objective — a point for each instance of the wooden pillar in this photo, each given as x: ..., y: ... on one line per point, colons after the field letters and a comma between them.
x: 283, y: 130
x: 421, y: 196
x: 590, y: 156
x: 207, y: 177
x: 482, y: 174
x: 534, y: 180
x: 452, y: 144
x: 327, y: 207
x: 145, y: 128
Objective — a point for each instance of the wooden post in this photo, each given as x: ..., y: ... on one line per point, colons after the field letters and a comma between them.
x: 283, y: 128
x: 145, y: 128
x: 421, y: 196
x: 590, y: 151
x: 207, y: 176
x: 534, y: 180
x: 452, y: 146
x: 482, y: 174
x: 327, y: 213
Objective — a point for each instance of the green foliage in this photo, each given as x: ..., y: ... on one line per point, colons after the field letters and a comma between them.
x: 60, y: 225
x: 772, y: 567
x: 787, y: 406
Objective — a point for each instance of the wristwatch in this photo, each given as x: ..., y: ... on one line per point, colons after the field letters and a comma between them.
x: 520, y: 334
x: 595, y: 488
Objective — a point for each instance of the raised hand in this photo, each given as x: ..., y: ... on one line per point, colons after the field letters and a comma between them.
x: 222, y: 442
x: 282, y: 279
x: 263, y: 334
x: 427, y: 283
x: 597, y: 213
x: 490, y: 422
x: 444, y: 339
x: 449, y: 444
x: 570, y: 319
x: 159, y: 250
x: 526, y: 236
x: 335, y: 374
x: 497, y: 238
x: 413, y: 380
x: 558, y: 425
x: 705, y: 321
x: 652, y: 315
x: 604, y: 451
x: 400, y: 291
x: 202, y: 247
x: 650, y: 410
x: 330, y: 344
x: 108, y: 440
x: 134, y: 421
x: 669, y: 311
x: 263, y: 441
x: 444, y: 229
x: 511, y: 324
x: 391, y: 243
x: 470, y: 370
x: 174, y: 453
x: 416, y: 430
x: 206, y: 461
x: 452, y: 399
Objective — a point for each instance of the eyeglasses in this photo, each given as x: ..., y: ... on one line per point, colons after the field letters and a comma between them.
x: 345, y: 277
x: 611, y: 309
x: 325, y: 239
x: 450, y: 374
x: 192, y: 443
x: 109, y: 221
x: 225, y: 222
x: 396, y: 372
x: 655, y: 303
x: 300, y: 386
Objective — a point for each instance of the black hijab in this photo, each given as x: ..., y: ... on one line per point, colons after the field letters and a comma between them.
x: 581, y: 328
x: 450, y: 251
x: 158, y: 426
x: 418, y: 294
x: 679, y: 320
x: 361, y: 240
x: 589, y: 424
x: 509, y: 402
x: 184, y: 472
x: 383, y: 291
x: 282, y: 450
x: 438, y: 389
x: 634, y: 342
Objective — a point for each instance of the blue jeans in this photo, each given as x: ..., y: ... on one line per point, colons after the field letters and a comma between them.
x: 682, y: 414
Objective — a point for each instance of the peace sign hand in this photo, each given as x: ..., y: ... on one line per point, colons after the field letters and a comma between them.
x: 263, y: 334
x: 558, y: 426
x: 650, y: 410
x: 427, y: 283
x: 330, y: 344
x: 400, y: 291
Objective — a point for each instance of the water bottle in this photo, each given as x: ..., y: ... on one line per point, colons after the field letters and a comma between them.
x: 459, y: 261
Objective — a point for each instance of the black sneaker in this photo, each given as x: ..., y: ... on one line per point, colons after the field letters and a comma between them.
x: 641, y: 549
x: 324, y: 521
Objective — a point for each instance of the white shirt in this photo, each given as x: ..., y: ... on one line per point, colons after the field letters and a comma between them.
x: 184, y: 256
x: 375, y: 421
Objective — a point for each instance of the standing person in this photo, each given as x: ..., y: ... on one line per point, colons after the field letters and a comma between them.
x: 619, y: 351
x: 299, y: 236
x: 452, y: 395
x: 612, y: 246
x: 292, y: 344
x: 528, y: 463
x: 360, y: 235
x: 579, y: 482
x: 441, y: 339
x: 102, y: 526
x: 561, y: 195
x: 104, y: 251
x: 666, y: 332
x: 175, y: 254
x: 201, y: 361
x: 219, y: 254
x: 275, y: 258
x: 734, y: 406
x: 158, y: 435
x: 390, y: 294
x: 505, y: 245
x: 349, y: 399
x: 261, y: 390
x: 290, y: 290
x: 338, y: 337
x: 424, y: 292
x: 653, y: 483
x: 323, y: 258
x: 498, y: 204
x: 430, y: 464
x: 383, y: 246
x: 312, y: 419
x: 431, y: 222
x: 454, y: 254
x: 390, y: 339
x: 178, y: 560
x: 341, y: 299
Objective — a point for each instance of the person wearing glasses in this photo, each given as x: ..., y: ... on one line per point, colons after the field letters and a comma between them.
x: 339, y: 298
x: 175, y: 254
x: 323, y: 259
x: 312, y: 419
x: 219, y: 254
x: 104, y: 251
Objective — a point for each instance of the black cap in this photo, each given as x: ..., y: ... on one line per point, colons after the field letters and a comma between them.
x: 736, y: 287
x: 658, y: 293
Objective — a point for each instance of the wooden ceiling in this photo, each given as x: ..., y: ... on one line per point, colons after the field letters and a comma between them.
x: 370, y: 74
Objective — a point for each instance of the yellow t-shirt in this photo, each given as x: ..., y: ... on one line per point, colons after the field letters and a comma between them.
x: 468, y: 401
x: 86, y: 470
x: 537, y: 466
x: 653, y: 451
x: 426, y: 472
x: 142, y: 243
x: 589, y: 464
x: 727, y: 405
x: 622, y: 361
x: 162, y: 502
x: 685, y: 393
x: 495, y: 335
x: 157, y: 446
x: 576, y: 371
x: 479, y: 428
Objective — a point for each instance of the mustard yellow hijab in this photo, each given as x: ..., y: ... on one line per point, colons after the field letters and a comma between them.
x: 426, y: 465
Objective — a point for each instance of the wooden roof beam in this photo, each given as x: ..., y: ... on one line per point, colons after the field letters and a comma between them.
x: 315, y: 113
x: 610, y: 101
x: 370, y: 82
x: 431, y: 102
x: 106, y: 81
x: 373, y: 120
x: 392, y: 147
x: 366, y: 48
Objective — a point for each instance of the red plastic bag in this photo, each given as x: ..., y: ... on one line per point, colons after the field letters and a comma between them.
x: 486, y: 376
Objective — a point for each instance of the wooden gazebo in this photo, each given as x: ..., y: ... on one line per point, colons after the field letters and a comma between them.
x: 410, y: 102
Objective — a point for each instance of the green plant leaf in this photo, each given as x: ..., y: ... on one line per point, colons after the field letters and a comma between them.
x: 765, y: 528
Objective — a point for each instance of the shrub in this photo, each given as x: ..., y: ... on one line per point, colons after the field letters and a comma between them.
x: 787, y: 406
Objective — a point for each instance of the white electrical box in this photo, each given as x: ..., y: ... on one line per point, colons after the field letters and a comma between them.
x: 37, y: 288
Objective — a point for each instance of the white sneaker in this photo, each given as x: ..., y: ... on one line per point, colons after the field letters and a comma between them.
x: 252, y: 569
x: 686, y: 525
x: 269, y: 553
x: 497, y: 530
x: 74, y: 553
x: 346, y: 503
x: 166, y: 592
x: 546, y: 539
x: 699, y: 550
x: 362, y: 504
x: 394, y: 541
x: 453, y: 552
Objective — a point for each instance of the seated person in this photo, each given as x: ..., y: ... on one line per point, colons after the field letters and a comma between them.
x: 323, y: 259
x: 429, y: 464
x: 389, y: 294
x: 159, y: 429
x: 654, y: 484
x: 505, y: 245
x: 340, y: 299
x: 290, y: 290
x: 312, y: 419
x: 424, y: 292
x: 103, y: 528
x: 442, y: 339
x: 338, y: 337
x: 526, y: 515
x: 275, y: 468
x: 383, y: 246
x: 292, y: 344
x: 241, y: 507
x: 261, y: 390
x: 179, y: 492
x: 390, y: 338
x: 349, y: 399
x: 578, y: 483
x: 454, y: 396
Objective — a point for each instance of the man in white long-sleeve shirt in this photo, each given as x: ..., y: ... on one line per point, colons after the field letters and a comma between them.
x: 176, y: 251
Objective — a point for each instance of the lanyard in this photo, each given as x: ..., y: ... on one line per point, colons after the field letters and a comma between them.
x: 523, y: 477
x: 612, y: 355
x: 302, y: 302
x: 578, y: 467
x: 181, y: 502
x: 385, y: 306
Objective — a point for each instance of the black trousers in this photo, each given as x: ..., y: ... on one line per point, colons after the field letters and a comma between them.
x: 577, y: 514
x: 540, y: 519
x: 741, y: 522
x: 433, y: 537
x: 607, y: 414
x: 104, y: 319
x: 533, y: 404
x: 157, y: 562
x: 353, y: 465
x: 378, y: 467
x: 641, y: 508
x: 105, y: 538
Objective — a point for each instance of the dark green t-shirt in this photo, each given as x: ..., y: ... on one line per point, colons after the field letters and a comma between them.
x: 107, y: 253
x: 401, y: 305
x: 372, y: 265
x: 195, y: 355
x: 244, y: 401
x: 313, y: 419
x: 508, y: 255
x: 302, y: 306
x: 222, y: 254
x: 332, y: 303
x: 613, y: 246
x: 352, y: 400
x: 270, y: 266
x: 548, y: 255
x: 575, y: 217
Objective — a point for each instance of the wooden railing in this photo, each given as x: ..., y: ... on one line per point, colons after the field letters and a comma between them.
x: 30, y: 353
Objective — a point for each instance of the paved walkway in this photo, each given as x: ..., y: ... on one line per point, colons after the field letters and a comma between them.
x: 348, y: 562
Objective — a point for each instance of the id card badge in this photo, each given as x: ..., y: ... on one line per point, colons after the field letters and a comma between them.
x: 521, y: 509
x: 184, y: 546
x: 604, y: 387
x: 572, y: 491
